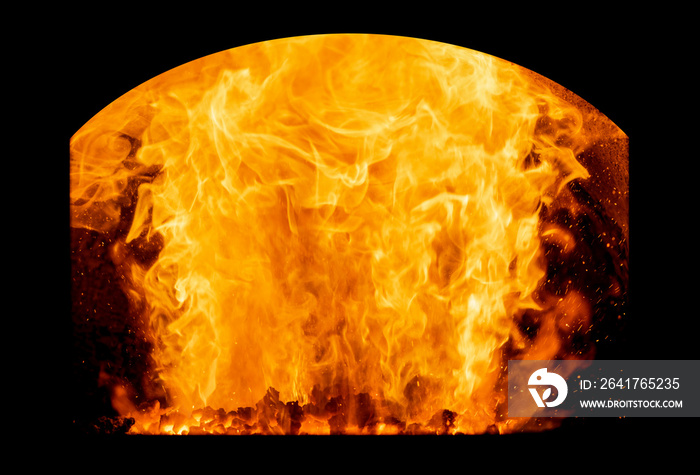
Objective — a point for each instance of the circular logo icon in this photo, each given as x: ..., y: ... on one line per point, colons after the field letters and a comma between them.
x: 549, y: 380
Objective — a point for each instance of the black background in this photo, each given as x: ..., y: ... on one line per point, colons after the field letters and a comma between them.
x: 630, y: 67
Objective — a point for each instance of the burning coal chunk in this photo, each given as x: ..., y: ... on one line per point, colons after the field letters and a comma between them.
x: 113, y: 425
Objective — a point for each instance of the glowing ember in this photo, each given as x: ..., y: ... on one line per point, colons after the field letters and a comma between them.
x: 336, y: 234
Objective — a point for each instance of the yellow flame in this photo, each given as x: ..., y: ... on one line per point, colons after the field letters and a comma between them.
x: 353, y: 210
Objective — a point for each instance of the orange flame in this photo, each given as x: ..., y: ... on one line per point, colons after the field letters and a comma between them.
x: 349, y: 211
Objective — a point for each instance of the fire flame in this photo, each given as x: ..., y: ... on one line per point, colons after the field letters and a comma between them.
x: 353, y: 212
